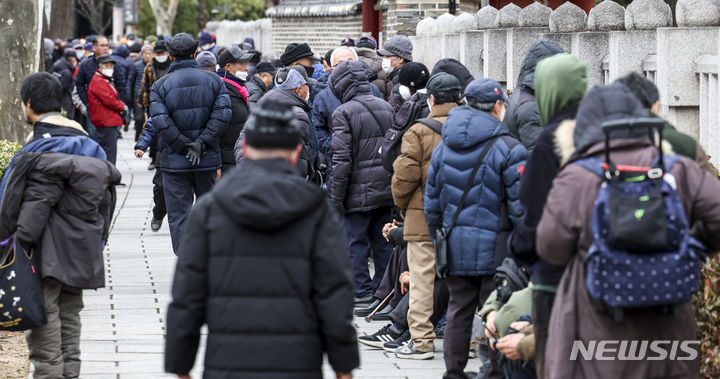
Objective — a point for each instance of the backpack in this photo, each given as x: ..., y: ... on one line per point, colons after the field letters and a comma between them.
x: 434, y: 125
x: 642, y: 254
x: 404, y: 119
x: 22, y: 305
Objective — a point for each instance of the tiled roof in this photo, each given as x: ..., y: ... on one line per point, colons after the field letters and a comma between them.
x: 315, y: 8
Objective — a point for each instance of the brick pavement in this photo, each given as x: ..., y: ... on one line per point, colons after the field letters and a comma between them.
x: 124, y: 323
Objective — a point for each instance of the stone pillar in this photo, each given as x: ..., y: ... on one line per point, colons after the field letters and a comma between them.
x: 591, y: 48
x: 425, y: 31
x: 707, y: 68
x: 495, y: 56
x: 21, y: 25
x: 471, y: 51
x: 628, y: 50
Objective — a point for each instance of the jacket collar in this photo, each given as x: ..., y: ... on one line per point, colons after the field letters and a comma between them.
x: 258, y: 82
x: 441, y: 110
x: 185, y: 63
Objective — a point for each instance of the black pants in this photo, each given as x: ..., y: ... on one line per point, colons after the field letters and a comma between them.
x: 139, y: 114
x: 396, y: 266
x: 159, y: 210
x: 542, y: 302
x: 363, y: 231
x: 466, y: 293
x: 107, y: 138
x: 441, y: 297
x: 180, y: 188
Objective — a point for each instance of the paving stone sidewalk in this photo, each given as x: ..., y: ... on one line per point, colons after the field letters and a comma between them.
x: 123, y: 333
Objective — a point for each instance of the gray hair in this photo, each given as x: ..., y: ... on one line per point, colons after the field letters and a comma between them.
x: 485, y: 107
x: 341, y: 48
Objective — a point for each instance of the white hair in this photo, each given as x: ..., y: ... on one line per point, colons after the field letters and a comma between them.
x: 341, y: 48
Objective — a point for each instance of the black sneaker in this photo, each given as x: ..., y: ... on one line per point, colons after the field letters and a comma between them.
x: 155, y: 224
x: 401, y: 341
x: 408, y: 352
x: 364, y: 299
x: 380, y: 337
x: 439, y: 331
x: 364, y: 311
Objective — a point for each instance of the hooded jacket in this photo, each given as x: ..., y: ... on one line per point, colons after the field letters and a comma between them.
x: 64, y: 71
x: 564, y: 236
x: 189, y: 105
x: 560, y: 83
x: 263, y: 264
x: 411, y: 170
x: 522, y: 117
x: 373, y: 60
x: 359, y: 180
x: 476, y: 245
x: 256, y: 89
x: 104, y: 102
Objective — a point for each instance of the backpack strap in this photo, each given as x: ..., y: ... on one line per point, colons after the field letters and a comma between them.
x: 592, y: 164
x: 373, y: 114
x: 470, y: 181
x: 434, y: 125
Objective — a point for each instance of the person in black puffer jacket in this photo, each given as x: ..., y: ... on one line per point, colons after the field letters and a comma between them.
x: 63, y: 68
x: 190, y: 109
x: 522, y: 114
x: 233, y: 71
x: 360, y: 186
x: 264, y: 265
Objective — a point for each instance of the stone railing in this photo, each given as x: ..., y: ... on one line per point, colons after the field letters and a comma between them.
x: 611, y: 40
x: 230, y: 32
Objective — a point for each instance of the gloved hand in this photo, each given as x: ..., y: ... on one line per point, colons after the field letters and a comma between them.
x: 339, y: 206
x: 194, y: 153
x: 124, y: 112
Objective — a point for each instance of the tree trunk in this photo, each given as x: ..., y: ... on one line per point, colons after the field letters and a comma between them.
x: 164, y: 18
x: 201, y: 15
x: 62, y: 22
x: 20, y: 36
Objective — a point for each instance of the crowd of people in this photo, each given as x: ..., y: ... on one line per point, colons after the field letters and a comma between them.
x: 365, y: 182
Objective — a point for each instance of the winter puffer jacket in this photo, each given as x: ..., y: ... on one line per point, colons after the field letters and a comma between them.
x: 522, y: 117
x: 263, y: 263
x: 240, y: 111
x: 104, y: 103
x: 359, y: 181
x: 64, y: 71
x: 373, y: 60
x: 477, y: 243
x: 121, y: 73
x: 411, y: 169
x: 189, y: 105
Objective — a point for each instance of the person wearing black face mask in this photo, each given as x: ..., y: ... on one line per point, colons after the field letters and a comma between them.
x: 302, y: 55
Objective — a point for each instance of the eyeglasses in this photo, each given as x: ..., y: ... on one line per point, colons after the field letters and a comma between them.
x: 104, y: 45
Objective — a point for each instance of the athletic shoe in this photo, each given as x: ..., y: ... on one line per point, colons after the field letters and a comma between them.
x: 401, y: 341
x: 362, y: 312
x: 155, y: 224
x: 386, y: 334
x: 409, y: 352
x: 439, y: 331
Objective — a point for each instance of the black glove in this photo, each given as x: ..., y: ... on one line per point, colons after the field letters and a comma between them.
x: 124, y: 112
x: 339, y: 206
x: 194, y: 153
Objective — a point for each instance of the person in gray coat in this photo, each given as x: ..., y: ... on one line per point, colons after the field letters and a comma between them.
x: 259, y: 83
x: 360, y: 186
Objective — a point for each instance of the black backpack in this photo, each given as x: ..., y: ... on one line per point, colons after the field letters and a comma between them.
x: 406, y: 116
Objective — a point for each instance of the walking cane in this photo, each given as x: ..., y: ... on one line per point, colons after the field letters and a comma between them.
x: 379, y: 307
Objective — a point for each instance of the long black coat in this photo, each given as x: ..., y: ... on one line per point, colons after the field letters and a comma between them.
x: 359, y: 179
x: 263, y: 264
x: 240, y: 112
x: 64, y: 70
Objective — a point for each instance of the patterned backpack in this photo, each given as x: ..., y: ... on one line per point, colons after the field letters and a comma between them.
x: 642, y: 253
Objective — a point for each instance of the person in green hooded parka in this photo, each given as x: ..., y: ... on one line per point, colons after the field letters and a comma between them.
x: 560, y: 84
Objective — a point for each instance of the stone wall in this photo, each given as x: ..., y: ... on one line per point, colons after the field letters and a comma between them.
x: 321, y: 33
x: 229, y: 32
x: 403, y: 15
x: 20, y: 36
x: 613, y: 41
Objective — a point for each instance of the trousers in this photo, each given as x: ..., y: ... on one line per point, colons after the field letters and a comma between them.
x: 107, y: 138
x: 363, y: 231
x: 180, y: 189
x: 55, y: 347
x: 421, y: 262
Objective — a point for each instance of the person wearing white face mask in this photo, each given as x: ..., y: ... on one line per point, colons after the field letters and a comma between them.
x: 396, y: 52
x: 233, y: 71
x: 107, y: 112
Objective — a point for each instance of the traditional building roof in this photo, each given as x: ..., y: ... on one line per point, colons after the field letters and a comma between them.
x: 314, y: 8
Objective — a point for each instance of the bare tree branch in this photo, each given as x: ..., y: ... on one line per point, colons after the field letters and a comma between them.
x: 164, y: 17
x: 93, y: 11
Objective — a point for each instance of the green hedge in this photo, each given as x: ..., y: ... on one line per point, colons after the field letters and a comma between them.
x: 7, y: 151
x: 707, y: 311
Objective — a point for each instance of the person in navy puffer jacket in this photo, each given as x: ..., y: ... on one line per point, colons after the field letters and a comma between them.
x: 477, y: 242
x: 190, y: 109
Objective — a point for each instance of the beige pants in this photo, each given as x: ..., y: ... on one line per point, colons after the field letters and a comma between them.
x: 421, y: 261
x: 55, y: 348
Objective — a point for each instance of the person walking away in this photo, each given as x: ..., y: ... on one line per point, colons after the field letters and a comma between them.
x: 360, y: 187
x: 147, y: 137
x: 395, y: 52
x: 190, y: 109
x: 259, y: 83
x: 366, y: 48
x: 275, y: 257
x: 560, y: 84
x: 107, y: 112
x: 233, y: 71
x: 137, y: 70
x: 408, y: 182
x: 153, y: 72
x: 58, y: 197
x: 522, y: 113
x: 564, y: 238
x: 64, y: 68
x: 476, y: 212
